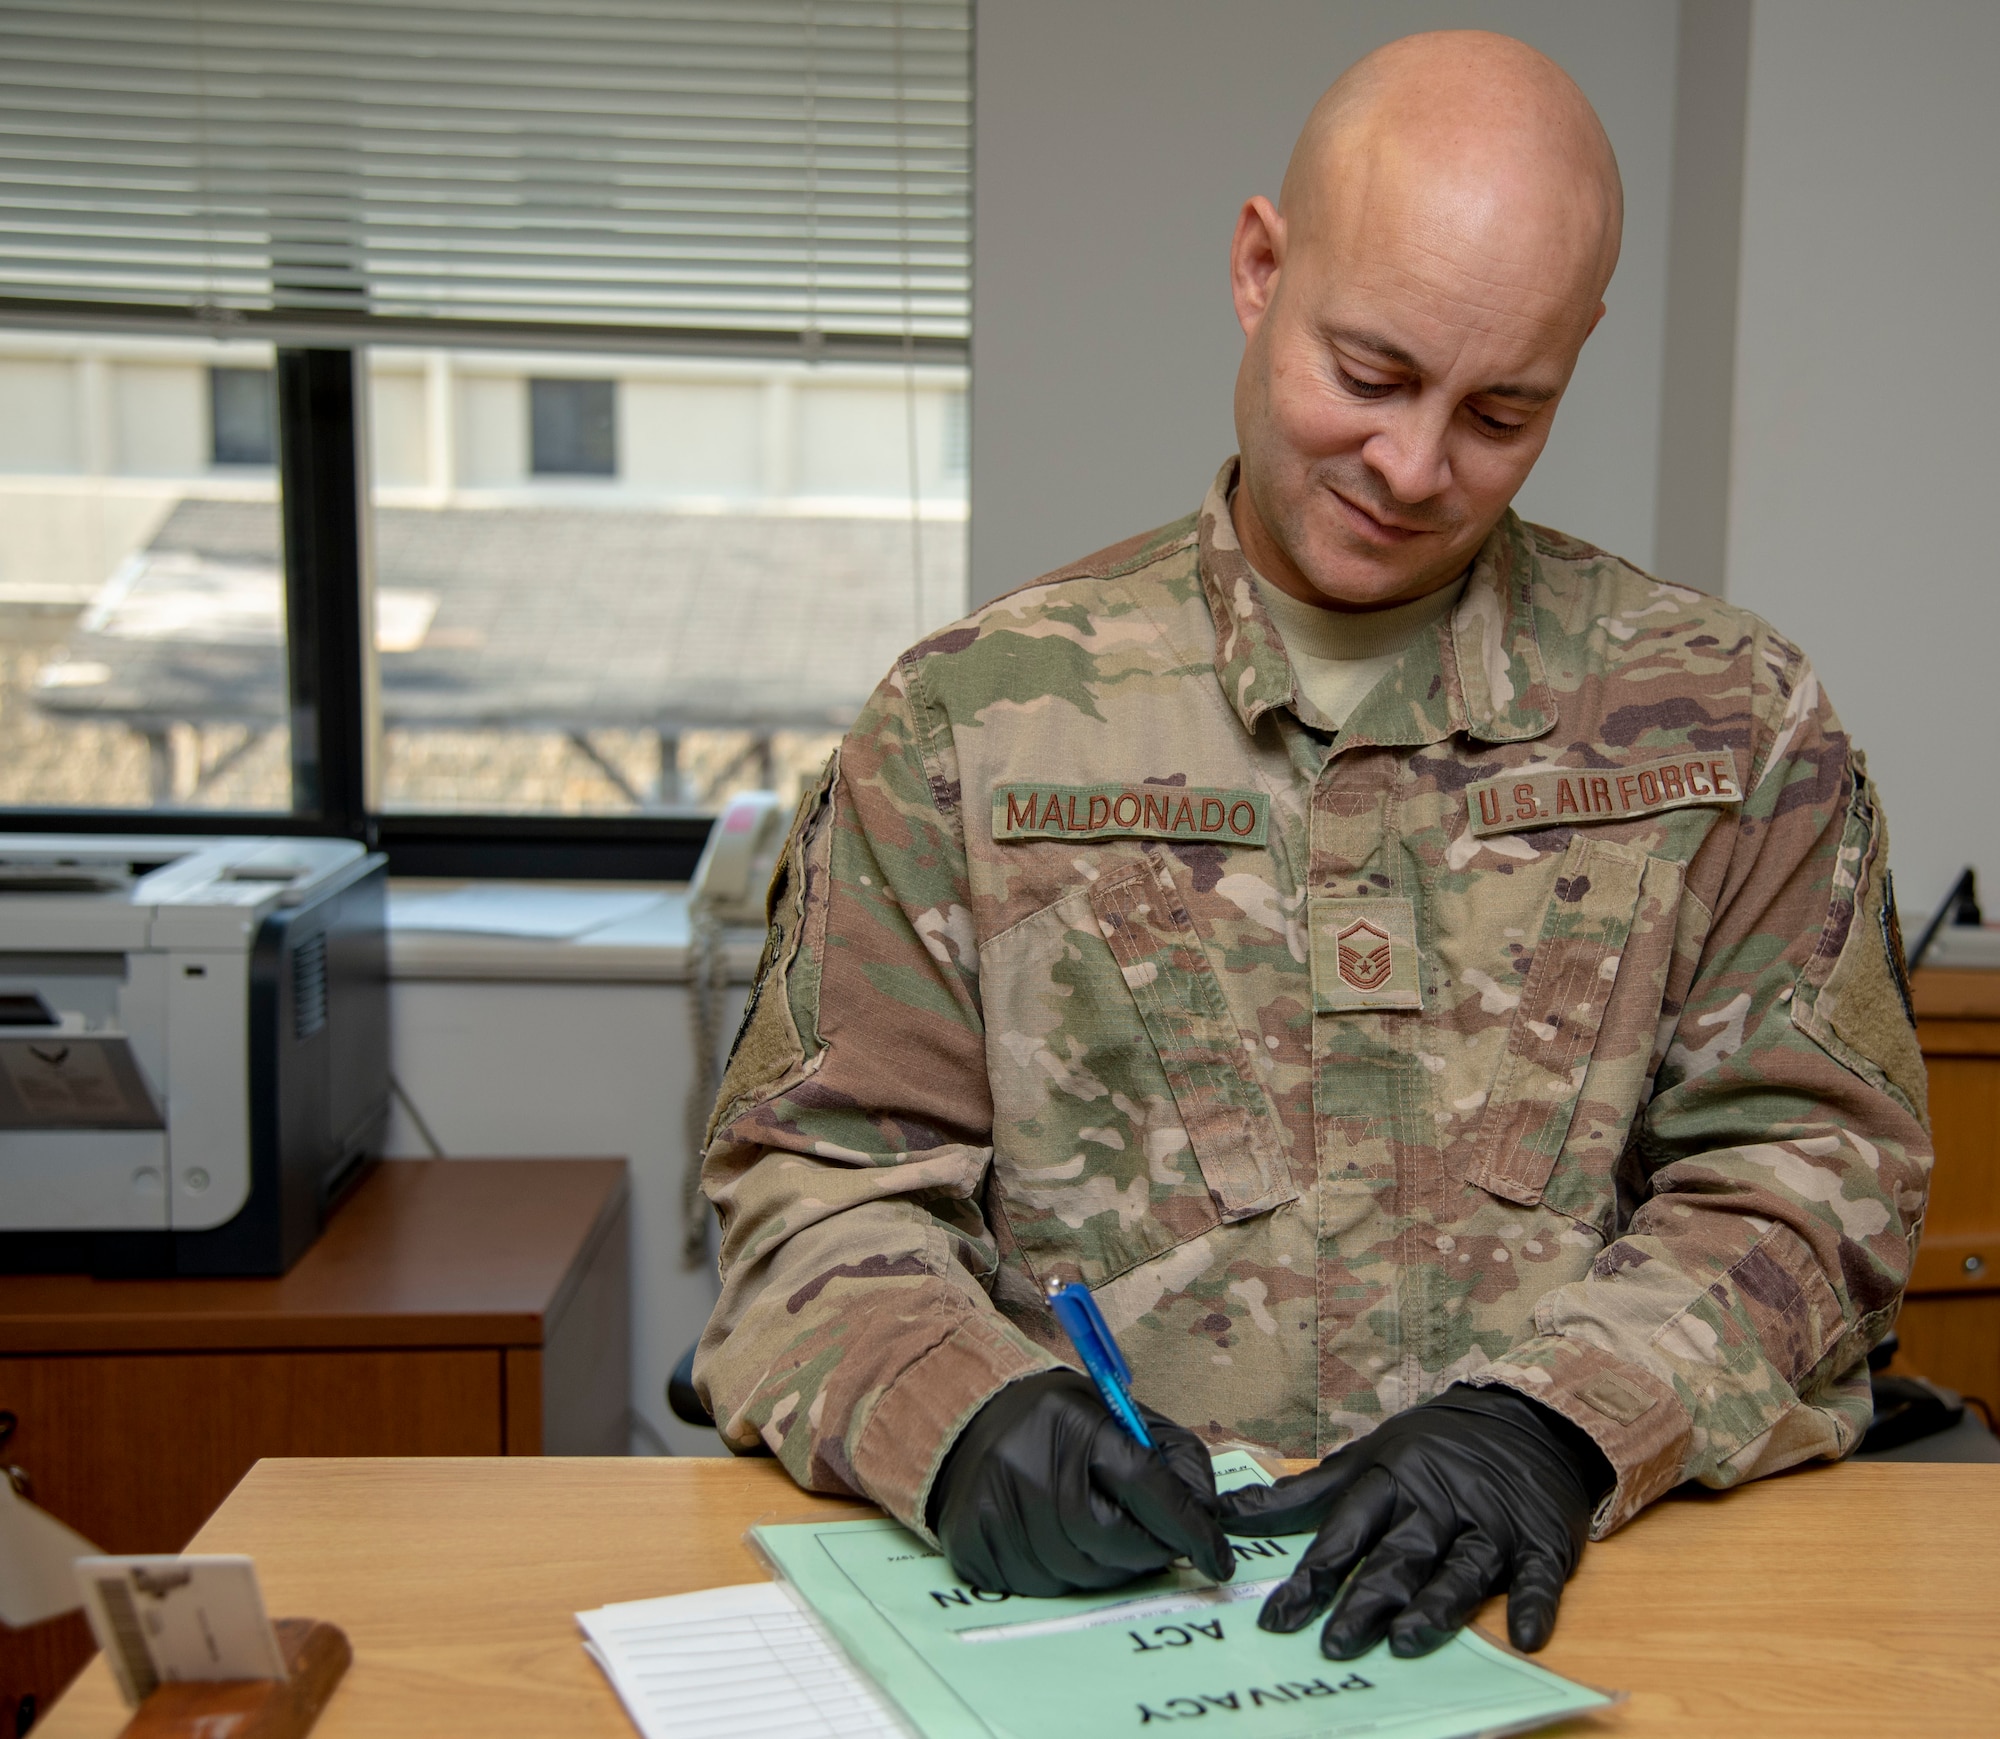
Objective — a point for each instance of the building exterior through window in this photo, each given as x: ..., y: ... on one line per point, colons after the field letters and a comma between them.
x: 602, y: 584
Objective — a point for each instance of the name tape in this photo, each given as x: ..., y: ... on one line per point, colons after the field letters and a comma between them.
x: 1559, y: 796
x: 1130, y: 812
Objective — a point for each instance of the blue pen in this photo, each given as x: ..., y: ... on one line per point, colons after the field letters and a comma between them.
x: 1090, y: 1334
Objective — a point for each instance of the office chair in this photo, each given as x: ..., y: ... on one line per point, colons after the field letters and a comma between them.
x: 1918, y: 1420
x: 681, y: 1395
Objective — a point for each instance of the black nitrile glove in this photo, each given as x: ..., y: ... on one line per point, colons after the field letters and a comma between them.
x: 1044, y: 1493
x: 1471, y: 1492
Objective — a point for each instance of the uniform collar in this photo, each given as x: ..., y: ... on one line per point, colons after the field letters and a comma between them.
x: 1250, y: 658
x: 1481, y: 671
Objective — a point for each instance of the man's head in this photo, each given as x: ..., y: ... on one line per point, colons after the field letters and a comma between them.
x: 1413, y: 308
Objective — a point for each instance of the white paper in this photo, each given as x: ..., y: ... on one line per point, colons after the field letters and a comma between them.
x: 36, y: 1552
x: 1966, y: 945
x: 501, y: 909
x: 731, y: 1661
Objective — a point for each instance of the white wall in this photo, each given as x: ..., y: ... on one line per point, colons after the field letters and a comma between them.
x: 1704, y: 261
x: 1866, y: 444
x: 1116, y: 140
x: 573, y: 1071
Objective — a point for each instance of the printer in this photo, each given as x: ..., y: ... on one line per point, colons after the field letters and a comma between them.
x: 194, y: 1054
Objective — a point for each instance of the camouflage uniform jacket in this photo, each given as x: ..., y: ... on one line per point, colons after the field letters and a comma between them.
x: 1544, y: 1026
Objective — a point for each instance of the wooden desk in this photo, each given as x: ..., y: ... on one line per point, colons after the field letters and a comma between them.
x: 1854, y: 1599
x: 453, y: 1307
x: 1950, y: 1324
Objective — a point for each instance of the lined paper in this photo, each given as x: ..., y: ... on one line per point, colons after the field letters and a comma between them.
x: 730, y: 1661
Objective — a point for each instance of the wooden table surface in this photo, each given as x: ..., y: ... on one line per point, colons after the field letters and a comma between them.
x: 426, y: 1252
x: 1860, y: 1598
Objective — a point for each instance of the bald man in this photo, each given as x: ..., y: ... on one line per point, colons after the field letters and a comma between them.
x: 1437, y: 985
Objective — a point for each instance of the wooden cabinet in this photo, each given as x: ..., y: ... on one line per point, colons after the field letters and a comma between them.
x: 453, y: 1307
x: 1950, y: 1326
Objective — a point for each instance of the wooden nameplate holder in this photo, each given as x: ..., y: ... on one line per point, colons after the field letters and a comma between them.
x: 316, y: 1655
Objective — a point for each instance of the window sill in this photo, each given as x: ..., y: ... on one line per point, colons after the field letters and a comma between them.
x: 648, y: 946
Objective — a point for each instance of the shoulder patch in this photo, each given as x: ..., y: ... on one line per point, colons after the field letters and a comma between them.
x: 1852, y: 998
x: 779, y: 1031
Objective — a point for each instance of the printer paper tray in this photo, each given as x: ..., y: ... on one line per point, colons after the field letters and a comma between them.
x: 82, y: 1180
x: 67, y: 1081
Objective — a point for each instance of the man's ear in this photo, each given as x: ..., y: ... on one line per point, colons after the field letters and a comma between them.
x: 1256, y: 255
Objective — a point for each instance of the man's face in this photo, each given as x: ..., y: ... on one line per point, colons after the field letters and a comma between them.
x: 1402, y: 371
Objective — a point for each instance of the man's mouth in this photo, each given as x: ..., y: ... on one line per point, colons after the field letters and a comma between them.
x: 1372, y: 528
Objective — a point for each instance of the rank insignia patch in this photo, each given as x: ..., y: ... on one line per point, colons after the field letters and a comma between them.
x: 1144, y: 811
x: 1364, y: 953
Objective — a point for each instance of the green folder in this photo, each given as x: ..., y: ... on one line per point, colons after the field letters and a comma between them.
x: 1174, y: 1654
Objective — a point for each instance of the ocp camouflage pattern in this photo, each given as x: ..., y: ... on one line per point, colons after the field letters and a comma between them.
x: 1625, y: 1111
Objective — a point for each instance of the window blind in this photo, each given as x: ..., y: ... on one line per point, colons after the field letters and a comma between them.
x: 735, y: 174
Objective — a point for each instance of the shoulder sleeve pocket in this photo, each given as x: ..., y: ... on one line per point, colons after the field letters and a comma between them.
x: 1853, y: 998
x: 1228, y: 1120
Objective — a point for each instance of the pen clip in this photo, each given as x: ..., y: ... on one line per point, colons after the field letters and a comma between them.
x: 1099, y: 1330
x: 1090, y: 1334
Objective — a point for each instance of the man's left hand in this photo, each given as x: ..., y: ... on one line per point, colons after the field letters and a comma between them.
x: 1474, y: 1491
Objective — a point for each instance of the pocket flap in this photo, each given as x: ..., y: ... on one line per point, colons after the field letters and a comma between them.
x: 1534, y: 1094
x: 1222, y: 1105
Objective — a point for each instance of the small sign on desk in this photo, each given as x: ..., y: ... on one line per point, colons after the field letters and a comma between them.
x: 194, y: 1652
x: 162, y: 1620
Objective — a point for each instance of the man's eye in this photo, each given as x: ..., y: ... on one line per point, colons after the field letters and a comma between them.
x: 1363, y: 389
x: 1493, y: 426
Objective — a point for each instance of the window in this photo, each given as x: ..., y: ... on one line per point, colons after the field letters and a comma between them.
x: 612, y: 360
x: 243, y: 416
x: 571, y: 428
x: 142, y: 599
x: 703, y: 622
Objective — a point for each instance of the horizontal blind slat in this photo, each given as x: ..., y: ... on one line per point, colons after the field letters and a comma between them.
x: 737, y: 165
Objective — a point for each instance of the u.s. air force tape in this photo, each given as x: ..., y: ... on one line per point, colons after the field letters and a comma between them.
x: 1570, y: 796
x: 1223, y: 817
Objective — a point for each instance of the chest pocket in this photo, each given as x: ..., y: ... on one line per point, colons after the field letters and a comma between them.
x: 1551, y: 1059
x: 1228, y: 1119
x: 1126, y: 1118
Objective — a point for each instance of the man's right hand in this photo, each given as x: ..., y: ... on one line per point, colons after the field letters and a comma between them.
x: 1045, y: 1493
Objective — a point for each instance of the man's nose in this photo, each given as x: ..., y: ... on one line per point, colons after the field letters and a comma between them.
x: 1408, y: 453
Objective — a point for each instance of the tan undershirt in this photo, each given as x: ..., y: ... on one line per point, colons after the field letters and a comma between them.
x: 1339, y: 655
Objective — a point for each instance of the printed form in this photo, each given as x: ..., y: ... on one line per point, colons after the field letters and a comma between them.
x: 894, y: 1644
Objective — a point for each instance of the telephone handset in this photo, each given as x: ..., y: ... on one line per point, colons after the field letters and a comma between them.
x: 728, y: 888
x: 739, y: 859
